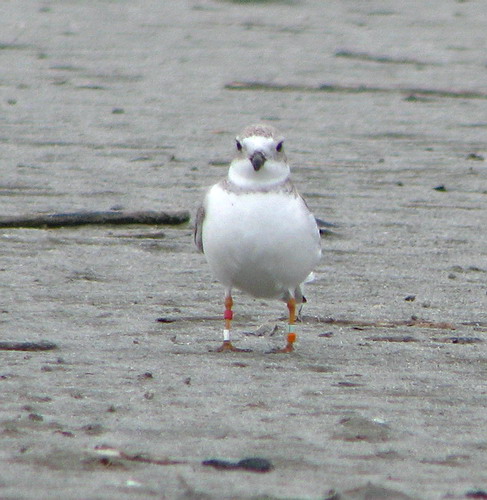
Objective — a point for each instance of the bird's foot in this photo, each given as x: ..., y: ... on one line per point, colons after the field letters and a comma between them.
x: 228, y: 346
x: 288, y: 348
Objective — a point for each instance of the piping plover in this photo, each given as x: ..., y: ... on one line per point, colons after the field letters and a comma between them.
x: 256, y: 231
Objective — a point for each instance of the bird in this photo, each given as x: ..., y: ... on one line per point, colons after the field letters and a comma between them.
x: 256, y: 231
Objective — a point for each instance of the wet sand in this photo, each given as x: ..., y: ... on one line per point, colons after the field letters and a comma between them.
x: 134, y: 106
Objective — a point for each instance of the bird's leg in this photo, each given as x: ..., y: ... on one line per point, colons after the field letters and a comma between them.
x: 228, y: 316
x: 291, y: 335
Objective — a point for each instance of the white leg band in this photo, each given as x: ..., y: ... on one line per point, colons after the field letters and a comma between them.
x: 226, y: 335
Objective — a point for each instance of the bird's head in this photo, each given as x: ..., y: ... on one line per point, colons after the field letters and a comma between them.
x: 260, y: 158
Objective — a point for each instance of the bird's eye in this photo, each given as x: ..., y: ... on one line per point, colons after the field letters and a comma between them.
x: 279, y: 146
x: 239, y: 145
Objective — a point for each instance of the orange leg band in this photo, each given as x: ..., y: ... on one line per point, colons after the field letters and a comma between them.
x: 291, y: 336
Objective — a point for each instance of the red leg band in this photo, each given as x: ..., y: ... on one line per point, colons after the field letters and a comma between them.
x: 228, y: 314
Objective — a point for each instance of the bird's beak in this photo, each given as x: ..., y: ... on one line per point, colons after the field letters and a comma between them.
x: 257, y: 159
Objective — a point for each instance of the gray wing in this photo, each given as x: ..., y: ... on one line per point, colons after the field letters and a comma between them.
x: 198, y: 228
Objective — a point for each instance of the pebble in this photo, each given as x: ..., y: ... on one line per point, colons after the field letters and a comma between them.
x: 254, y: 464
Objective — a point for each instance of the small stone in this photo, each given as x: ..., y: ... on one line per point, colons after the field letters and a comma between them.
x: 93, y: 429
x: 218, y: 464
x: 64, y: 433
x: 476, y: 494
x: 465, y: 340
x: 475, y: 156
x: 36, y: 417
x: 326, y: 335
x: 267, y: 329
x: 165, y: 320
x: 358, y: 428
x: 27, y: 346
x: 254, y: 464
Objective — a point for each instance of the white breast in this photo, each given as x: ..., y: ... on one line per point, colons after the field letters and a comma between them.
x: 264, y: 243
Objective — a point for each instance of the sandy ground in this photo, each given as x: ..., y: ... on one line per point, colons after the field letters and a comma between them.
x: 127, y: 105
